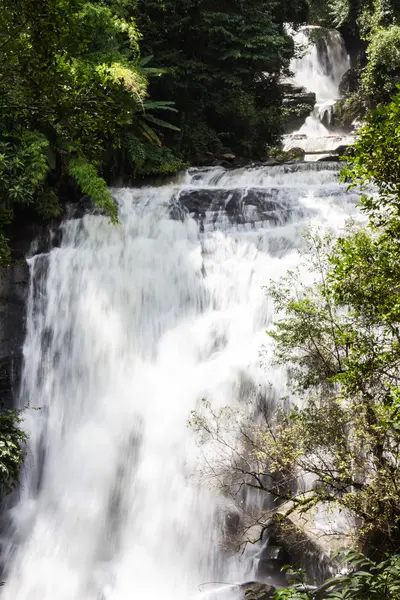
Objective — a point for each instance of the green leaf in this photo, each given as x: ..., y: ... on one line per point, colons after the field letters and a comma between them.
x: 161, y: 123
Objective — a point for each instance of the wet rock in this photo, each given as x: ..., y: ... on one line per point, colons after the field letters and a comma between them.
x: 14, y: 283
x: 28, y: 236
x: 255, y: 590
x: 326, y: 115
x: 296, y: 548
x: 298, y: 104
x: 250, y: 590
x: 226, y: 164
x: 280, y: 156
x: 350, y: 83
x: 239, y: 206
x: 296, y: 153
x: 270, y: 563
x: 329, y: 158
x: 323, y: 146
x: 346, y: 112
x: 335, y: 156
x: 77, y: 210
x: 343, y: 149
x: 232, y: 522
x: 241, y: 162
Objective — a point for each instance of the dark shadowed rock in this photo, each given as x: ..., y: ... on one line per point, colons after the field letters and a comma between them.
x: 271, y: 560
x: 250, y: 590
x: 255, y: 590
x: 14, y: 283
x: 27, y: 236
x: 298, y: 104
x: 297, y: 549
x: 351, y: 82
x: 330, y: 158
x: 240, y: 206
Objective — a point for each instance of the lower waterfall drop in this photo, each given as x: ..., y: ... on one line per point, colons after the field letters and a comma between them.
x: 128, y: 328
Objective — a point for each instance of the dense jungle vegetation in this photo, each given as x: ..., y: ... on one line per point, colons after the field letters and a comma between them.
x: 92, y: 92
x: 95, y: 91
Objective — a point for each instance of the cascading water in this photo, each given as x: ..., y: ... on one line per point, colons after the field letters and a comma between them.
x: 319, y: 70
x: 323, y: 64
x: 129, y: 326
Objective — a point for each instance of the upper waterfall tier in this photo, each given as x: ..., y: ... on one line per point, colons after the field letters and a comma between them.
x: 319, y: 69
x: 323, y: 64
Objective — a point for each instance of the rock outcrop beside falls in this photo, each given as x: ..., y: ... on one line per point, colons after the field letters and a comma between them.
x: 287, y: 543
x: 298, y: 103
x: 14, y: 282
x: 14, y: 289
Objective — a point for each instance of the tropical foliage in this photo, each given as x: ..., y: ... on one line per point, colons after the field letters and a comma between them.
x: 75, y: 78
x: 374, y: 162
x: 223, y: 63
x: 73, y: 92
x: 365, y: 580
x: 12, y: 440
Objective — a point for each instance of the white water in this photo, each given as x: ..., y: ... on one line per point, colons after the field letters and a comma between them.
x: 319, y: 70
x: 129, y: 327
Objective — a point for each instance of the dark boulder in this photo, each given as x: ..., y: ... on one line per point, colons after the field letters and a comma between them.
x: 270, y: 563
x: 292, y: 546
x: 255, y: 590
x: 240, y: 206
x: 14, y: 283
x: 347, y: 112
x: 250, y: 590
x: 278, y: 156
x: 298, y: 104
x: 330, y: 158
x: 350, y: 83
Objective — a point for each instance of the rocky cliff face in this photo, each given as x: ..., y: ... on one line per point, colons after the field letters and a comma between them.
x: 26, y: 238
x: 298, y: 103
x: 14, y: 282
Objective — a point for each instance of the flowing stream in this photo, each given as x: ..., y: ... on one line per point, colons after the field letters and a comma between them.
x: 128, y: 328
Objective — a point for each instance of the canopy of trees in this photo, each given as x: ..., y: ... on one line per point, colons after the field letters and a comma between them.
x: 97, y: 91
x: 224, y: 60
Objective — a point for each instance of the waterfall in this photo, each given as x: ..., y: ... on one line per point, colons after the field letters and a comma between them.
x: 128, y: 328
x: 320, y: 70
x: 323, y: 63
